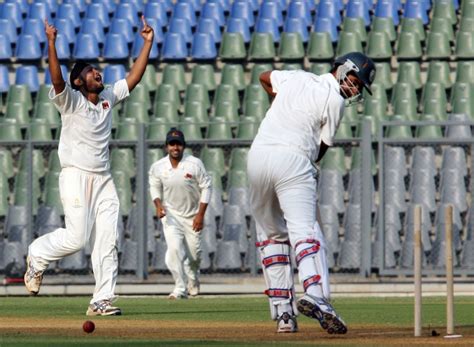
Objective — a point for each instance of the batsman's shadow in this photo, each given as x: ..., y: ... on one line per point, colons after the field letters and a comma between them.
x: 188, y: 312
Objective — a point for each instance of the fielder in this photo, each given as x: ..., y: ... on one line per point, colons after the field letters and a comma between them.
x: 181, y: 189
x: 88, y: 194
x: 296, y: 131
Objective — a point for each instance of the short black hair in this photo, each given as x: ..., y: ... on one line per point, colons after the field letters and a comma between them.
x: 76, y: 72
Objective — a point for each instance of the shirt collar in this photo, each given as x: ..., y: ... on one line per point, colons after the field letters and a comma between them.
x: 168, y: 162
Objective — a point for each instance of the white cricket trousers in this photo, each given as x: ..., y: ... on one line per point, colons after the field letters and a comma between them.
x: 91, y: 209
x: 283, y: 198
x: 183, y: 254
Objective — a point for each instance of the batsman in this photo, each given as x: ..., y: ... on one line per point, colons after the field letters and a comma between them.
x: 296, y: 131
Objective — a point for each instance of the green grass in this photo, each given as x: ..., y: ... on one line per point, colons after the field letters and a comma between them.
x: 384, y: 312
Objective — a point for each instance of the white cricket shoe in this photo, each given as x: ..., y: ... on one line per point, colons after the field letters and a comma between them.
x: 286, y: 323
x: 321, y: 310
x: 103, y: 308
x: 177, y: 296
x: 194, y: 288
x: 32, y: 278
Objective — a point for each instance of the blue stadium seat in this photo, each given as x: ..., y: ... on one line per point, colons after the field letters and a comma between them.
x: 99, y: 12
x: 113, y: 73
x: 34, y: 26
x: 138, y: 44
x: 8, y: 29
x: 122, y: 26
x: 168, y: 4
x: 11, y: 11
x: 300, y: 9
x: 69, y: 12
x: 203, y: 47
x: 86, y: 47
x: 326, y: 25
x: 138, y: 4
x: 387, y: 9
x: 296, y: 25
x: 62, y: 48
x: 28, y: 74
x: 328, y: 9
x: 22, y: 4
x: 239, y: 25
x: 66, y: 27
x: 358, y: 9
x: 39, y: 10
x: 267, y: 25
x: 181, y: 26
x: 271, y: 10
x: 159, y: 36
x: 127, y: 11
x: 116, y: 47
x: 213, y: 10
x: 52, y: 6
x: 185, y: 10
x: 210, y: 26
x: 225, y: 4
x: 174, y: 47
x: 5, y: 48
x: 243, y: 10
x: 156, y: 10
x: 28, y: 48
x: 4, y: 82
x: 80, y: 5
x: 94, y: 27
x: 47, y: 74
x: 197, y: 6
x: 110, y: 5
x: 416, y: 9
x: 254, y: 4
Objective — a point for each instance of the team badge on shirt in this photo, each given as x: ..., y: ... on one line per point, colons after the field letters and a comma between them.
x: 105, y: 105
x: 188, y: 176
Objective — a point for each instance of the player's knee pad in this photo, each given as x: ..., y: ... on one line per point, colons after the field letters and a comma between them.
x: 278, y: 273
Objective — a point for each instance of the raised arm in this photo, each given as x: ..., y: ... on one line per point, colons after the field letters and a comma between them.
x: 138, y: 68
x: 266, y: 83
x: 54, y: 67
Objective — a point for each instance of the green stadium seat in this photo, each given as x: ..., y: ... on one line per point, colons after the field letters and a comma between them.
x: 255, y: 108
x: 197, y: 92
x: 149, y: 78
x: 191, y: 129
x: 383, y: 75
x: 292, y: 66
x: 378, y: 92
x: 197, y: 111
x: 20, y: 93
x: 466, y: 24
x: 52, y: 198
x: 213, y: 160
x: 350, y: 114
x: 442, y: 25
x: 344, y: 131
x: 320, y: 47
x: 444, y: 10
x: 463, y: 105
x: 409, y: 46
x: 4, y: 195
x: 356, y: 160
x: 20, y: 187
x: 122, y: 159
x: 435, y: 107
x: 262, y: 47
x: 320, y: 68
x: 257, y: 93
x: 374, y: 125
x: 9, y: 130
x: 48, y: 112
x: 379, y: 47
x: 136, y: 110
x: 439, y: 72
x: 219, y: 129
x: 238, y: 158
x: 128, y: 130
x: 258, y: 69
x: 375, y: 108
x: 54, y: 165
x: 398, y: 131
x: 248, y: 128
x: 403, y: 90
x: 216, y: 180
x: 410, y: 72
x: 429, y: 131
x: 434, y: 100
x: 465, y: 71
x: 348, y: 42
x: 168, y: 92
x: 227, y: 111
x: 291, y: 47
x: 355, y: 25
x: 227, y: 92
x: 18, y: 111
x: 464, y: 45
x: 467, y: 8
x: 6, y: 162
x: 140, y: 94
x: 37, y: 162
x: 334, y: 159
x: 461, y: 90
x: 166, y: 110
x: 153, y: 155
x: 204, y: 74
x: 438, y: 47
x: 124, y: 191
x: 43, y: 93
x: 414, y: 25
x: 384, y: 24
x: 406, y: 108
x: 237, y: 179
x: 115, y: 119
x: 174, y: 74
x: 233, y: 74
x: 39, y: 130
x: 232, y: 47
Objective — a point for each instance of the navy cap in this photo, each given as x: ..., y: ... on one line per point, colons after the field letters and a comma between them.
x: 175, y: 135
x: 76, y: 71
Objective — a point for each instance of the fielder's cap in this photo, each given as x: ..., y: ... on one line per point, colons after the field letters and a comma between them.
x: 76, y: 71
x: 175, y: 135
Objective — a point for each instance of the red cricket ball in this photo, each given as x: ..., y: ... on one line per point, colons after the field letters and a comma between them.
x: 88, y: 326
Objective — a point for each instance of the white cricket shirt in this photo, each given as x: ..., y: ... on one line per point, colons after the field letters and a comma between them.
x: 86, y: 128
x: 307, y: 109
x: 180, y: 189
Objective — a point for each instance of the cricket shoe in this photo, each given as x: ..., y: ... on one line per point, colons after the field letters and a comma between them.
x: 286, y: 323
x: 177, y: 296
x: 193, y: 288
x: 32, y: 278
x: 321, y: 310
x: 103, y: 308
